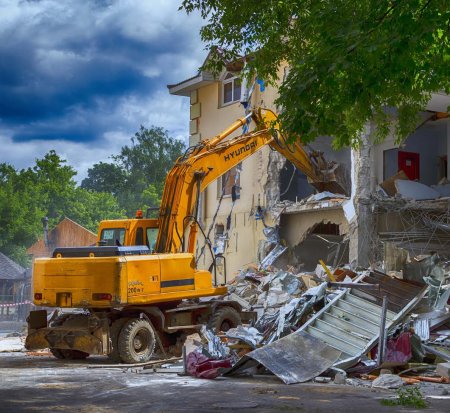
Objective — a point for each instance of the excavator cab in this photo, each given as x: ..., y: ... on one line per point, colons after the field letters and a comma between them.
x: 128, y: 232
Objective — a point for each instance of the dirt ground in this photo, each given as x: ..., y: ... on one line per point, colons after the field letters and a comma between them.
x: 42, y: 384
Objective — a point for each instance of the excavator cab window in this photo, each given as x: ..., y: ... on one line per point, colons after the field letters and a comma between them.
x: 152, y: 234
x: 112, y: 236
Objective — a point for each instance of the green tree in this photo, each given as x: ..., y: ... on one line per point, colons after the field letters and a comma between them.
x: 90, y: 207
x: 105, y: 177
x: 137, y: 175
x: 150, y: 156
x: 349, y: 61
x: 46, y: 189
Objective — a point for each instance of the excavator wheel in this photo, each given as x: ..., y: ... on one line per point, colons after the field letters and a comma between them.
x: 136, y: 341
x: 224, y: 318
x: 115, y: 330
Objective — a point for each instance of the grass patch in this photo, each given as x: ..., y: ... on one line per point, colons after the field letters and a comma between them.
x: 408, y: 397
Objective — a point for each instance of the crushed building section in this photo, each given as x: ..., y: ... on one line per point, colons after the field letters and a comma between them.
x: 347, y: 328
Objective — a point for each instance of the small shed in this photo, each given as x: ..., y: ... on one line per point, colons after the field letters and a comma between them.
x: 66, y: 234
x: 14, y: 289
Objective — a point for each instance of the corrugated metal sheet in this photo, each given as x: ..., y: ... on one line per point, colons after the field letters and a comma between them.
x: 351, y: 322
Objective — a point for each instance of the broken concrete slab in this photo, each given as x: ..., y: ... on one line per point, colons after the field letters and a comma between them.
x: 388, y: 381
x: 443, y: 370
x: 325, y: 195
x: 389, y: 184
x: 444, y: 190
x: 415, y: 190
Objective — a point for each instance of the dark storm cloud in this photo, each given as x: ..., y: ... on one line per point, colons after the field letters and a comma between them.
x: 66, y: 67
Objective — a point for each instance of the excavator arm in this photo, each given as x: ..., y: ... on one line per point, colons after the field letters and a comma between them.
x: 204, y: 163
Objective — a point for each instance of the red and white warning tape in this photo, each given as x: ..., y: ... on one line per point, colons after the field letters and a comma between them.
x: 15, y: 304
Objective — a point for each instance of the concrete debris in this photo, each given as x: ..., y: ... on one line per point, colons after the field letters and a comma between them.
x: 444, y: 190
x: 415, y: 190
x: 324, y: 195
x: 296, y: 344
x: 249, y: 335
x: 322, y: 379
x: 388, y: 381
x: 340, y: 378
x: 270, y: 258
x: 214, y: 348
x: 288, y: 317
x: 389, y: 184
x: 425, y: 266
x: 443, y: 370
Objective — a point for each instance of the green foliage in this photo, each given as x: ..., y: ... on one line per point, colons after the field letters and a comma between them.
x: 46, y: 189
x: 134, y: 180
x: 348, y: 61
x: 105, y: 177
x: 409, y: 397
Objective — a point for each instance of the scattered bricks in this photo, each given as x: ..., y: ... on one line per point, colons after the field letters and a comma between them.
x: 443, y: 370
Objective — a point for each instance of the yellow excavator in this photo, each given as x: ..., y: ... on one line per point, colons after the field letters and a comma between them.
x: 139, y: 287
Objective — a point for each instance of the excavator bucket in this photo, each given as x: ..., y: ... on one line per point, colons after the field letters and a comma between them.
x: 331, y: 176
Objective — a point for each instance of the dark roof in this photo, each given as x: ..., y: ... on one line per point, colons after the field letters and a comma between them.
x: 10, y: 270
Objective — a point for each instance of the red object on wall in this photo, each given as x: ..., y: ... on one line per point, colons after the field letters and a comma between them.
x: 409, y: 162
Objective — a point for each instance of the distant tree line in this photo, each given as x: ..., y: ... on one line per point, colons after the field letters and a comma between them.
x: 133, y: 180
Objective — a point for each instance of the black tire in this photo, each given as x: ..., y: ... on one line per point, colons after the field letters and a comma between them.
x: 57, y: 353
x: 116, y: 327
x: 136, y: 342
x: 224, y: 318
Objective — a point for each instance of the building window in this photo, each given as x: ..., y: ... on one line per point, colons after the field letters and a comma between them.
x: 226, y: 182
x: 231, y: 89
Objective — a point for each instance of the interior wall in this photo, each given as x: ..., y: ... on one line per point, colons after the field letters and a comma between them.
x: 293, y: 184
x: 429, y: 140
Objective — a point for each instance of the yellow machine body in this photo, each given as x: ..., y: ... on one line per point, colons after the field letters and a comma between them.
x: 93, y: 281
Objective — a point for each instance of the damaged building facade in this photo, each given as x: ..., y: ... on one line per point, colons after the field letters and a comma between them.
x: 364, y: 225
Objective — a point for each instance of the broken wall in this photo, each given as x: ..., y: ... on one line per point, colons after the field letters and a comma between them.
x: 431, y: 141
x: 309, y: 240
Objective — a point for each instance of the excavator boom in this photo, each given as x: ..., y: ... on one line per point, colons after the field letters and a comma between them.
x: 212, y: 158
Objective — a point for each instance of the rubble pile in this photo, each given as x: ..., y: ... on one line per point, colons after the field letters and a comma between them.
x: 327, y: 325
x: 280, y: 299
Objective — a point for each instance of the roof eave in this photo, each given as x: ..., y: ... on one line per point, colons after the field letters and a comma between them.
x: 185, y: 87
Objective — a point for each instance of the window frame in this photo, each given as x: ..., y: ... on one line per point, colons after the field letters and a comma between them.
x: 229, y: 182
x: 230, y: 78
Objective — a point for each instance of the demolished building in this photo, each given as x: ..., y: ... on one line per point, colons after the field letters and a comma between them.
x: 389, y: 219
x: 364, y: 225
